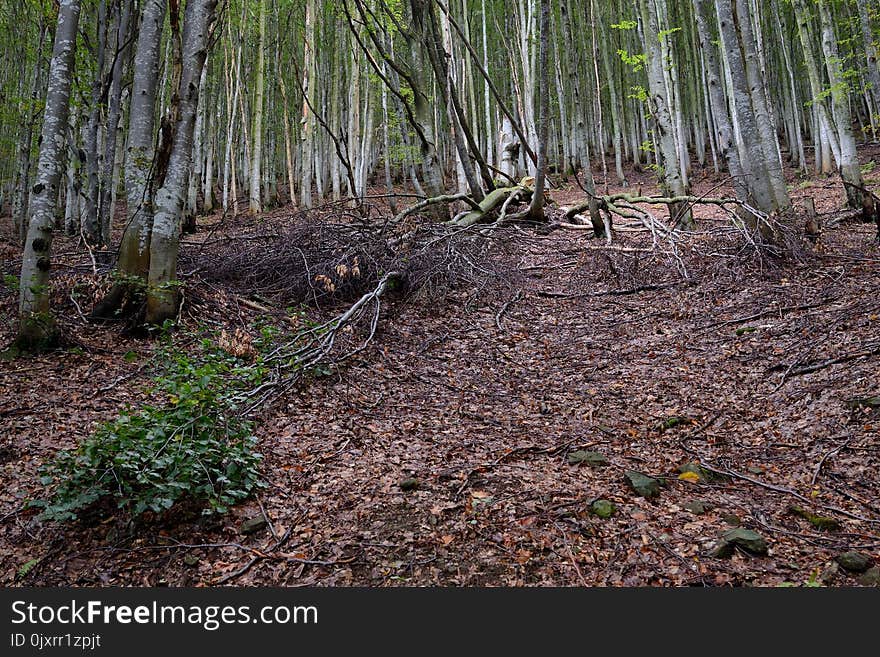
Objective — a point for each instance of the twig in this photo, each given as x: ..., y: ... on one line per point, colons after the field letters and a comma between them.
x: 13, y: 513
x: 571, y: 555
x: 504, y: 308
x: 815, y: 367
x: 78, y: 309
x: 624, y: 292
x: 787, y: 491
x: 267, y: 518
x: 250, y: 564
x: 767, y: 313
x: 828, y: 455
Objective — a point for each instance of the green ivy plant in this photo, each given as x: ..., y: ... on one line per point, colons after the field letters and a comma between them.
x: 192, y: 446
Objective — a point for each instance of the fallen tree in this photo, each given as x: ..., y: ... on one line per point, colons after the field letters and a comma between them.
x: 759, y: 227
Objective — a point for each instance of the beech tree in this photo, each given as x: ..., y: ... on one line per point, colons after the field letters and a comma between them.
x: 36, y: 324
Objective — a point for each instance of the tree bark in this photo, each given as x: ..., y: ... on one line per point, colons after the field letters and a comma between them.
x: 114, y: 114
x: 671, y: 179
x: 256, y: 203
x: 162, y: 293
x: 134, y: 256
x: 36, y: 326
x: 856, y: 196
x: 536, y: 207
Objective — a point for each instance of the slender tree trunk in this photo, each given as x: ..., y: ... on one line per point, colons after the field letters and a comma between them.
x: 760, y: 106
x: 308, y: 123
x: 114, y: 114
x: 671, y: 179
x: 134, y: 255
x: 22, y: 190
x: 162, y: 294
x: 256, y: 204
x: 856, y: 194
x: 36, y: 326
x: 536, y: 208
x: 705, y: 16
x: 753, y: 157
x: 91, y: 225
x: 872, y: 72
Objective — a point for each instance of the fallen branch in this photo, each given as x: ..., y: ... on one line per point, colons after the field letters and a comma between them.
x: 633, y: 290
x: 815, y: 367
x: 786, y: 491
x: 492, y: 200
x: 516, y: 297
x: 250, y: 564
x: 313, y: 348
x: 435, y: 200
x: 828, y: 455
x: 767, y: 313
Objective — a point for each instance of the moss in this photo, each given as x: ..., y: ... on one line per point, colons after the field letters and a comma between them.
x: 37, y: 334
x: 819, y: 522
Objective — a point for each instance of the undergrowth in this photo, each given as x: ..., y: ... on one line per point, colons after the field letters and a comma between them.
x: 192, y: 445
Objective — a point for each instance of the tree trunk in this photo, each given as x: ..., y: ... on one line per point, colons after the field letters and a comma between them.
x: 134, y: 255
x: 671, y: 179
x: 753, y: 158
x: 36, y: 326
x: 162, y: 295
x: 856, y: 196
x: 705, y: 16
x: 113, y: 116
x: 256, y: 204
x: 91, y: 197
x: 536, y: 207
x: 872, y: 72
x: 308, y: 124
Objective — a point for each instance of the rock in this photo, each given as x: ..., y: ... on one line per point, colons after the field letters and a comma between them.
x: 819, y: 522
x: 642, y: 484
x: 746, y: 539
x: 871, y: 577
x: 828, y: 575
x: 866, y: 402
x: 593, y: 459
x: 722, y: 550
x: 252, y: 525
x: 697, y: 507
x: 603, y: 508
x: 855, y: 562
x: 731, y: 519
x: 409, y: 484
x: 694, y: 468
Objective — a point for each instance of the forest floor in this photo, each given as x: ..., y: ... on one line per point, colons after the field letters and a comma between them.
x: 482, y: 399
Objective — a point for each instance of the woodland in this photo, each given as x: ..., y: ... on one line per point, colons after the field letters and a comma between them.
x: 440, y: 293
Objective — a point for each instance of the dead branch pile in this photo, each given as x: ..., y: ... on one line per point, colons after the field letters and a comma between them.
x: 312, y: 261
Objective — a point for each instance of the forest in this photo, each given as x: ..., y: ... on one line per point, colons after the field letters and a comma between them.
x: 440, y: 293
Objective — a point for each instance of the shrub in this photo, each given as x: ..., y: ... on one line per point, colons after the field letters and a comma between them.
x: 193, y: 446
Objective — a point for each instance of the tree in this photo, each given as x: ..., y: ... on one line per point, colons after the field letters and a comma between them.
x: 536, y: 207
x: 37, y: 328
x: 162, y: 293
x: 134, y: 252
x: 672, y: 178
x: 256, y: 203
